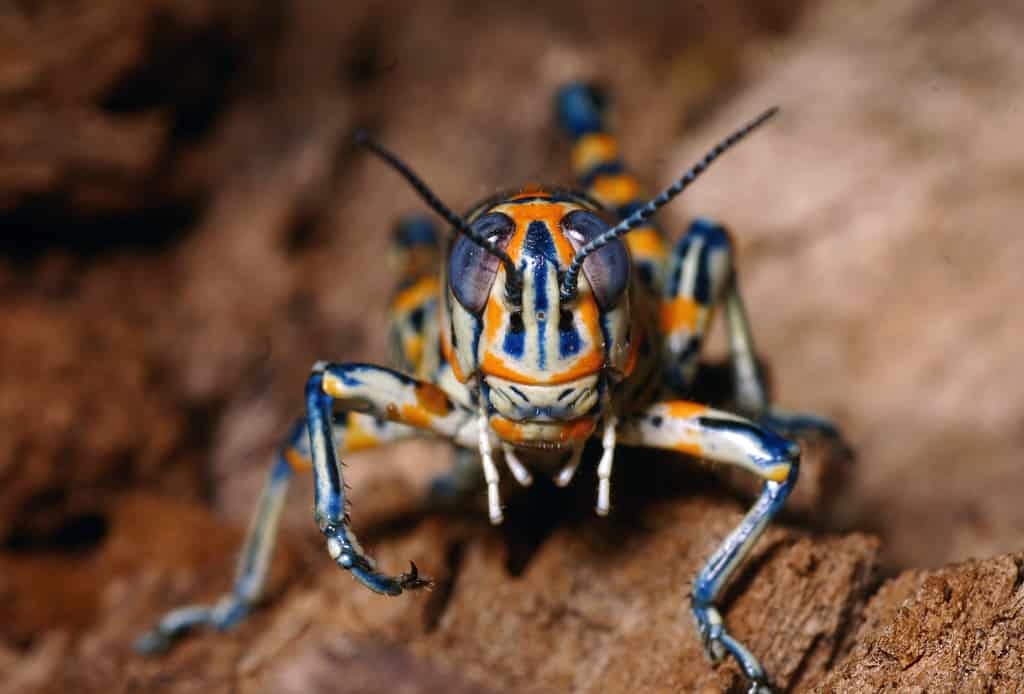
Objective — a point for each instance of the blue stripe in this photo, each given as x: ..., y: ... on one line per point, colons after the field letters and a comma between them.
x: 579, y: 109
x: 604, y: 168
x: 514, y: 343
x: 568, y: 342
x: 539, y: 247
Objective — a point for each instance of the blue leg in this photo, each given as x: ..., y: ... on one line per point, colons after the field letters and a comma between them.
x: 382, y: 393
x: 725, y: 438
x: 353, y: 431
x: 253, y: 562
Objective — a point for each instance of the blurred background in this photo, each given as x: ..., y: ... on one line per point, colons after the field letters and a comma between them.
x: 185, y: 228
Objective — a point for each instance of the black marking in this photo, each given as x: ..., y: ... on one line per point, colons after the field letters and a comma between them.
x: 416, y: 318
x: 565, y: 320
x: 519, y: 393
x: 657, y: 421
x: 565, y: 393
x: 604, y: 168
x: 515, y: 322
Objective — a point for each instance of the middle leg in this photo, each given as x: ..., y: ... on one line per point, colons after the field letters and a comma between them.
x: 701, y: 276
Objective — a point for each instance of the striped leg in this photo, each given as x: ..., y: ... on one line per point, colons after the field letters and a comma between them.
x: 353, y: 432
x: 701, y: 276
x: 725, y: 438
x: 412, y: 316
x: 599, y: 168
x: 388, y: 395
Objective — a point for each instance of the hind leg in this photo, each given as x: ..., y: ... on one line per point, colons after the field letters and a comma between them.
x: 353, y: 432
x: 701, y: 276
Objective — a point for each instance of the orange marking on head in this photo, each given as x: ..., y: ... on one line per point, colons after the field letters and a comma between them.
x: 589, y: 363
x: 530, y: 190
x: 684, y: 409
x: 577, y: 429
x: 296, y: 461
x: 646, y: 242
x: 549, y: 212
x: 679, y: 313
x: 449, y: 356
x: 410, y: 298
x: 432, y: 399
x: 515, y: 432
x: 507, y: 430
x: 415, y: 415
x: 615, y: 189
x: 593, y: 149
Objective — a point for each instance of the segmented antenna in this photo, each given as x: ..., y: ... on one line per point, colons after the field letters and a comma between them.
x: 569, y: 283
x: 513, y: 284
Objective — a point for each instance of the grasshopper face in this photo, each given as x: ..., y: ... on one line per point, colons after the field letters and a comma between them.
x: 544, y: 363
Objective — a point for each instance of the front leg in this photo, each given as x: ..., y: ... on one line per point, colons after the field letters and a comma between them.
x: 724, y: 438
x: 382, y: 393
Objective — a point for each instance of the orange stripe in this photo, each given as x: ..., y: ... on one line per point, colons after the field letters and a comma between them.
x: 694, y: 449
x: 507, y: 430
x: 449, y: 356
x: 593, y: 149
x: 356, y: 437
x: 646, y: 242
x: 681, y: 312
x: 684, y: 409
x: 615, y: 190
x: 415, y: 295
x: 415, y: 415
x: 333, y: 386
x: 590, y: 363
x: 577, y: 429
x: 515, y: 432
x: 530, y: 190
x: 432, y: 399
x: 297, y: 461
x: 413, y: 346
x: 550, y: 213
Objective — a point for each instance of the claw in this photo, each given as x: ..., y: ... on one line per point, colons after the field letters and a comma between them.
x: 412, y: 580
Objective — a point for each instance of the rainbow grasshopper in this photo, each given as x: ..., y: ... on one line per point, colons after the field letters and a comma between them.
x: 557, y: 316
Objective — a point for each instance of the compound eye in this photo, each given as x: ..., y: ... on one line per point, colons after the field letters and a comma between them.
x: 471, y: 269
x: 607, y: 269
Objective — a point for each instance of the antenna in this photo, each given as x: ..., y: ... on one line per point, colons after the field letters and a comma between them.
x: 569, y: 283
x: 513, y: 284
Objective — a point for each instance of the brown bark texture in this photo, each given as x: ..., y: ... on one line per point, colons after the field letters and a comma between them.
x: 185, y: 227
